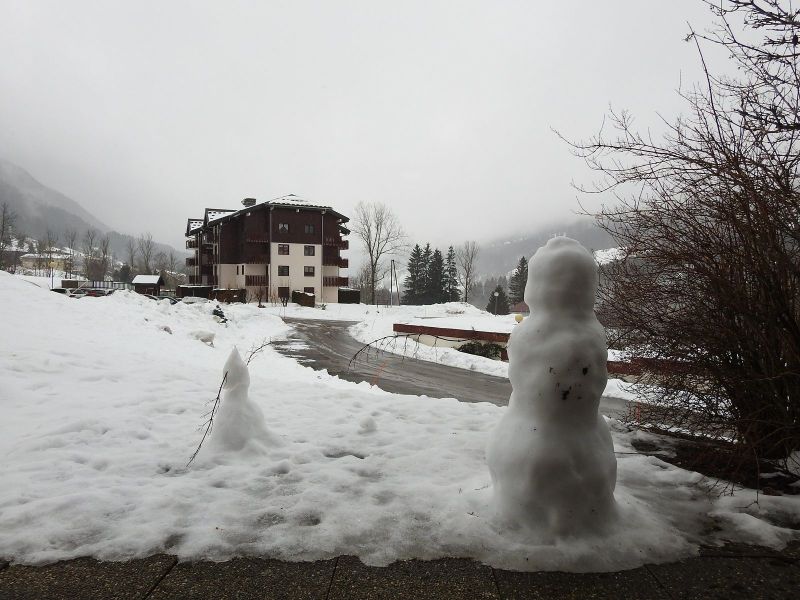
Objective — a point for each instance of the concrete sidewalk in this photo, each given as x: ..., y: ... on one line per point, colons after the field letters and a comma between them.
x: 728, y: 572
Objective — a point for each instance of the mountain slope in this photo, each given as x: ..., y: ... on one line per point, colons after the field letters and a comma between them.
x: 502, y: 256
x: 39, y: 208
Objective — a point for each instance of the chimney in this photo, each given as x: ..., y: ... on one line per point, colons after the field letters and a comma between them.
x: 248, y: 202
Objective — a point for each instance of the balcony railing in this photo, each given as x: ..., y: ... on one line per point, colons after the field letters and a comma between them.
x: 334, y: 281
x: 195, y: 280
x: 191, y: 243
x: 260, y: 259
x: 250, y: 280
x: 335, y: 261
x: 338, y: 243
x: 257, y: 239
x: 191, y: 261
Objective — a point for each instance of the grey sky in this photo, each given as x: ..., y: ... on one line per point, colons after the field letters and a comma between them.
x: 146, y: 112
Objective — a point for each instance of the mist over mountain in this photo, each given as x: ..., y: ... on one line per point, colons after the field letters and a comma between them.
x: 501, y: 256
x: 40, y: 208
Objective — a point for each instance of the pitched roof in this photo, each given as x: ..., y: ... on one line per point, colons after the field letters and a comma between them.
x: 148, y: 280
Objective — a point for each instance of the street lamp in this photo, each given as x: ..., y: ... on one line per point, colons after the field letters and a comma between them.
x: 496, y: 294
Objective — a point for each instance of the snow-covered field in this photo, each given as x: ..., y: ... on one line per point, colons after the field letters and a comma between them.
x: 102, y: 399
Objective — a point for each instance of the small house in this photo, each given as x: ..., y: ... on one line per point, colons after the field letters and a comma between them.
x: 148, y: 284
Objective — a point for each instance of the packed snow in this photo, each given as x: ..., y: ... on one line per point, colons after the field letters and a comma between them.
x: 551, y: 457
x: 103, y: 405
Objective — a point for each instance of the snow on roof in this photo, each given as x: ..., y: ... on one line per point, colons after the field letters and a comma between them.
x: 212, y: 214
x: 295, y: 200
x: 195, y: 224
x: 147, y: 279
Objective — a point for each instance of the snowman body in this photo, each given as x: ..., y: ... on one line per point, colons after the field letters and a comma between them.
x: 551, y: 457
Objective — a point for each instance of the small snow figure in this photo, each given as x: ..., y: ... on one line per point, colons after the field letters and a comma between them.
x: 551, y: 457
x: 239, y: 422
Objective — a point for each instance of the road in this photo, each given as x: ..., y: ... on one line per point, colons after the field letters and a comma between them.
x: 327, y: 345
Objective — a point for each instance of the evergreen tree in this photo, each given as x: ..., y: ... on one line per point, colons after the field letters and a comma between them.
x: 452, y: 293
x: 498, y: 305
x: 435, y: 288
x: 413, y: 282
x: 425, y: 279
x: 516, y: 287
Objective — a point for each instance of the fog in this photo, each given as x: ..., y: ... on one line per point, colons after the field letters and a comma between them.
x: 147, y: 112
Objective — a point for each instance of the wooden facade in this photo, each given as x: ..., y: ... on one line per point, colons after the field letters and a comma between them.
x: 241, y: 247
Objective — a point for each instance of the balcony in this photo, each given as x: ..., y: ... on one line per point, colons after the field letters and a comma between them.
x: 260, y: 259
x: 191, y: 261
x: 190, y: 244
x: 337, y: 243
x: 335, y: 261
x: 251, y: 280
x: 206, y: 270
x: 334, y: 281
x: 195, y: 280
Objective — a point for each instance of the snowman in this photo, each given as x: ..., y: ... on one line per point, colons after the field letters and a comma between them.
x: 551, y: 457
x: 239, y: 422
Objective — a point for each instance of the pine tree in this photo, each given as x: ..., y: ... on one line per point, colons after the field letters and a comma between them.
x: 452, y: 293
x: 498, y: 305
x: 435, y: 292
x: 415, y: 278
x: 516, y: 287
x: 425, y: 264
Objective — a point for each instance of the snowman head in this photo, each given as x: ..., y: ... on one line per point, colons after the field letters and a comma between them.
x: 561, y: 275
x: 236, y: 369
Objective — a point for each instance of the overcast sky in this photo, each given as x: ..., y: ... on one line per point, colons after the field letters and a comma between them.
x: 147, y: 112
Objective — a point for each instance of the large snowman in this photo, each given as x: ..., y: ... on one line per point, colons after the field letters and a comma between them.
x: 551, y: 457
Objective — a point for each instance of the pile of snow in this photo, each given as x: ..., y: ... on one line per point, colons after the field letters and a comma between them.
x: 101, y: 409
x: 551, y: 456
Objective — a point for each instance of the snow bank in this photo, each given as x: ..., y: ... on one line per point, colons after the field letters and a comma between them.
x: 101, y: 408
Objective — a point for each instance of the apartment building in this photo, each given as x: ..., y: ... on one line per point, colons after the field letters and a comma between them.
x: 275, y: 247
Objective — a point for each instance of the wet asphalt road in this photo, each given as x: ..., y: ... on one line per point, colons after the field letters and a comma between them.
x: 327, y: 345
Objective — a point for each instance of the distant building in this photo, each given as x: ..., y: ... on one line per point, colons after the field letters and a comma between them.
x: 59, y: 261
x: 277, y: 247
x: 148, y: 284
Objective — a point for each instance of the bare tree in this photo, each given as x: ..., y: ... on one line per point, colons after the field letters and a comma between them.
x: 51, y: 241
x: 8, y: 219
x: 90, y: 266
x: 105, y: 256
x: 708, y: 292
x: 146, y: 247
x: 131, y: 250
x: 70, y: 237
x: 381, y: 234
x: 466, y: 255
x: 20, y: 236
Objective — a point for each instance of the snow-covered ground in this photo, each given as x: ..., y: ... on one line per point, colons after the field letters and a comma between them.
x: 102, y: 399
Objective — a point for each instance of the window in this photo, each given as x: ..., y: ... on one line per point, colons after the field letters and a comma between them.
x: 283, y: 228
x: 309, y: 229
x: 283, y: 249
x: 308, y: 271
x: 308, y: 290
x: 237, y: 269
x: 308, y: 250
x: 283, y: 270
